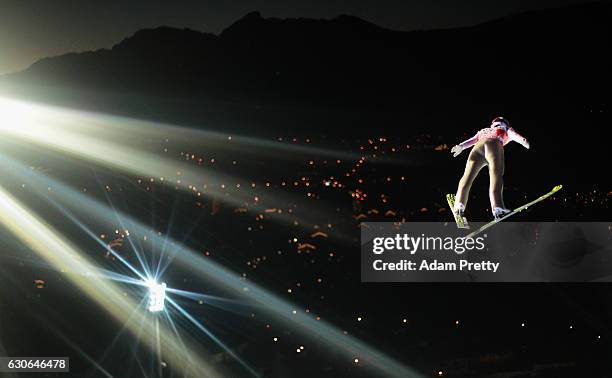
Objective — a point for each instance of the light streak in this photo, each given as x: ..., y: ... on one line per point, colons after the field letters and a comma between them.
x: 190, y: 260
x: 68, y: 259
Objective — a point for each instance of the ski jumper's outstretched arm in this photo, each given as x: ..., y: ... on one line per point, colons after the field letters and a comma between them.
x: 464, y: 145
x: 513, y: 135
x: 469, y: 142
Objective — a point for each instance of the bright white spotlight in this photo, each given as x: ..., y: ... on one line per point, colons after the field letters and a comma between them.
x: 157, y: 296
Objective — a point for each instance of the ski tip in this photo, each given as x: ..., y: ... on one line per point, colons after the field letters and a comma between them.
x: 557, y: 188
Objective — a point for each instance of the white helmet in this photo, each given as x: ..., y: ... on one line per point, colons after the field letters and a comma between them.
x: 500, y: 121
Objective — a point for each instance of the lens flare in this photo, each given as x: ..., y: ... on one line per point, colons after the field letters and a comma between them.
x: 83, y: 135
x: 250, y: 292
x: 66, y: 258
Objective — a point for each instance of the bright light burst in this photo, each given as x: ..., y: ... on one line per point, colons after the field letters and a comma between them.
x: 157, y: 296
x: 86, y: 136
x: 65, y: 257
x: 98, y: 138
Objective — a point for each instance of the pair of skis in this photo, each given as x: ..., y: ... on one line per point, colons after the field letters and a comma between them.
x: 462, y: 221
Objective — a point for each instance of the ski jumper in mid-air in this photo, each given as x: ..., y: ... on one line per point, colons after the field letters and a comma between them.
x: 488, y: 150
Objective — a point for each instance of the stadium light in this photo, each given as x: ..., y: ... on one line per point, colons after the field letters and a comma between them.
x: 157, y: 296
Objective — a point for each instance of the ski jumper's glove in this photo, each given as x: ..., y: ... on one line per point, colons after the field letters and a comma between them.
x: 456, y: 150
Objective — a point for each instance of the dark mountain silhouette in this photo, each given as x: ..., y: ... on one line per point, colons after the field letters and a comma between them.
x: 547, y: 70
x: 560, y: 53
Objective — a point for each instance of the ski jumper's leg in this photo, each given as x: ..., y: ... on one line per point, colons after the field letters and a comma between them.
x: 475, y: 162
x: 494, y: 153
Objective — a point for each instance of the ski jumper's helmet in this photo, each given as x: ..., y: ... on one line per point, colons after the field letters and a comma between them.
x: 500, y: 121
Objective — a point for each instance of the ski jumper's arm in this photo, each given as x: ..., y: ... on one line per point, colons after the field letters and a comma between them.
x: 469, y: 142
x: 464, y: 145
x: 513, y: 135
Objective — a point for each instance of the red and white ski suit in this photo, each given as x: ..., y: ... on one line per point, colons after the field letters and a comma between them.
x: 500, y: 132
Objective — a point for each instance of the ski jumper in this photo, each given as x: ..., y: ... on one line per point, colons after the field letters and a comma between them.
x: 488, y: 150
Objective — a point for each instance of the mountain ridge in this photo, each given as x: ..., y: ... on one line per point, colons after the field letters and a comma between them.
x: 346, y: 61
x: 254, y: 18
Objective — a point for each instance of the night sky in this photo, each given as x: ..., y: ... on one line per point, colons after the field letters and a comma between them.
x: 32, y: 29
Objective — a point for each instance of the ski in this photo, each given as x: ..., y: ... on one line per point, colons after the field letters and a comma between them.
x: 461, y: 221
x: 515, y: 211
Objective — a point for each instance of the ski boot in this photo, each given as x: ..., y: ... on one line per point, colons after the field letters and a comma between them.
x: 500, y: 212
x: 458, y: 212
